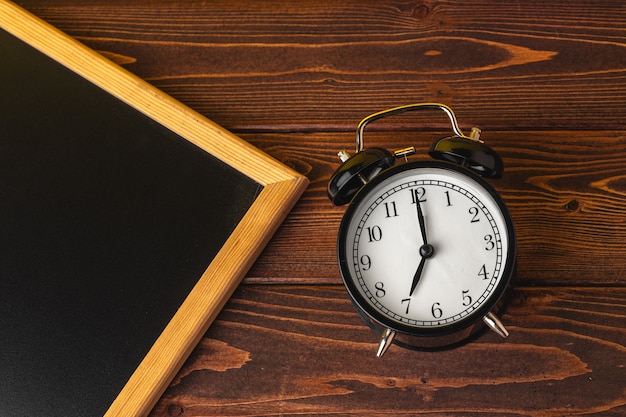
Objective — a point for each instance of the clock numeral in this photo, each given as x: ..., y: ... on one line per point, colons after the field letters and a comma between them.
x: 391, y: 210
x: 483, y: 272
x: 418, y: 194
x: 380, y: 289
x: 436, y: 311
x: 490, y: 244
x: 474, y: 212
x: 374, y: 233
x: 366, y: 262
x: 467, y: 299
x: 408, y: 304
x: 448, y: 199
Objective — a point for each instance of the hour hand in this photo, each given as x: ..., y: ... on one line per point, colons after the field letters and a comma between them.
x: 426, y: 251
x: 418, y: 275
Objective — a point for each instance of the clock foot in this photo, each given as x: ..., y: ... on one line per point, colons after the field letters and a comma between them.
x: 494, y: 323
x: 385, y: 342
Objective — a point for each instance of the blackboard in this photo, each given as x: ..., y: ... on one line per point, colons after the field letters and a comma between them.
x: 116, y: 214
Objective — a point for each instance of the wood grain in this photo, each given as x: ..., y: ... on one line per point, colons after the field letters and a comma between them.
x: 303, y: 350
x: 324, y: 64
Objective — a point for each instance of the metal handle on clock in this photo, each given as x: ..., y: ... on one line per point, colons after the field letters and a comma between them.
x: 474, y: 136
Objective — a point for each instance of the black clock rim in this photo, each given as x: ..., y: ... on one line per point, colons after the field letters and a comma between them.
x: 360, y: 302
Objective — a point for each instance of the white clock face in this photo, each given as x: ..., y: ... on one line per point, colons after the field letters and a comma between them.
x: 443, y: 281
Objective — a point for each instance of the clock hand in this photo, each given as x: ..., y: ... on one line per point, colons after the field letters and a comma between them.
x: 418, y: 275
x: 420, y: 219
x: 426, y: 250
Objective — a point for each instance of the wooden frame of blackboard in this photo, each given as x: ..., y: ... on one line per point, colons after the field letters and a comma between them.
x: 281, y: 188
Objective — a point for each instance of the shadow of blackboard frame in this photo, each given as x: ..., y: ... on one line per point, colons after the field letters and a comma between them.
x: 280, y: 187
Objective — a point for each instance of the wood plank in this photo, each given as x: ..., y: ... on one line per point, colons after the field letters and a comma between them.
x: 287, y: 350
x: 565, y: 191
x: 323, y: 64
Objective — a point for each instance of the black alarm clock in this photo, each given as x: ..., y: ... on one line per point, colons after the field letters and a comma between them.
x: 426, y: 249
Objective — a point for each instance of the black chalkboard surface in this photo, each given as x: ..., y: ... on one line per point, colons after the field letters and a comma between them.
x: 109, y: 220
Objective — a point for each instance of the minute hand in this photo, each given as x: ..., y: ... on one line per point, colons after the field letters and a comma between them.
x: 420, y: 218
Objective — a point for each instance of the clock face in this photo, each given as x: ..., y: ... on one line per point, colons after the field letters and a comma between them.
x: 426, y: 247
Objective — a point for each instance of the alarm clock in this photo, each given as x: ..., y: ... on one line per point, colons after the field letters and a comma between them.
x: 426, y: 249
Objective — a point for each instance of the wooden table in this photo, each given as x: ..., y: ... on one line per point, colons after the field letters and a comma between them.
x: 545, y: 81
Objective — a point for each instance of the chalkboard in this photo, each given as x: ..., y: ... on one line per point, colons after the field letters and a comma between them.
x: 126, y: 221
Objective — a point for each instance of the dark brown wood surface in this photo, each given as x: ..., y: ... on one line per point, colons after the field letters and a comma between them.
x: 545, y: 81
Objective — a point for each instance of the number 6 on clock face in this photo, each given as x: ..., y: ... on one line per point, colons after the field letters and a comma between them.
x: 426, y: 248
